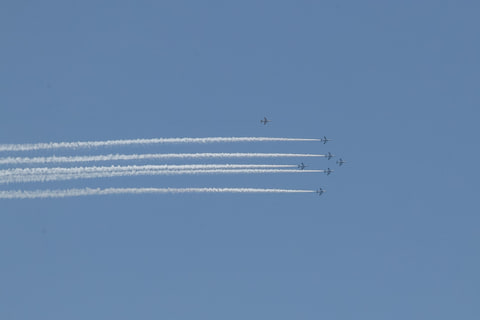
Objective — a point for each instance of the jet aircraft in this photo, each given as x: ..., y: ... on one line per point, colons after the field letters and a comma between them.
x: 320, y: 191
x: 340, y: 162
x: 265, y: 120
x: 325, y: 140
x: 302, y: 166
x: 328, y: 171
x: 329, y: 156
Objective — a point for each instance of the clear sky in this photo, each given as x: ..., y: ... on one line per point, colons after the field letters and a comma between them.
x: 394, y: 83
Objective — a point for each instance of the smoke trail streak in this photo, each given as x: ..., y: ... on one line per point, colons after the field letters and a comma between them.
x: 75, y: 170
x: 153, y: 156
x: 108, y: 174
x: 107, y: 143
x: 36, y: 194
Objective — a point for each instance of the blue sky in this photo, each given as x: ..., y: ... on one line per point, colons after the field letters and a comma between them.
x: 394, y: 84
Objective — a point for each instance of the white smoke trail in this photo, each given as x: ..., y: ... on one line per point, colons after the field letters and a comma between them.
x: 75, y: 170
x: 107, y: 143
x: 108, y: 174
x: 153, y: 156
x: 35, y: 194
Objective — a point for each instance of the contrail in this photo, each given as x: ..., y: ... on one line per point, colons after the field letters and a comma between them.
x: 109, y: 143
x: 153, y: 156
x: 36, y: 194
x: 115, y: 173
x: 75, y: 170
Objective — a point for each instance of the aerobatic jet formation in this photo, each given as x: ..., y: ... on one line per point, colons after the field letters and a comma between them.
x: 265, y: 120
x: 266, y: 162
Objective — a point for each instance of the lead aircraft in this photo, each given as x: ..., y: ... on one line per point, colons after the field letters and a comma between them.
x: 340, y: 162
x: 265, y: 120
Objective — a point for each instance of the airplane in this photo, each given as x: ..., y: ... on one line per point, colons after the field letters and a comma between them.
x: 320, y: 191
x: 265, y: 120
x: 340, y: 162
x: 302, y: 166
x: 329, y: 156
x: 325, y: 140
x: 328, y: 171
